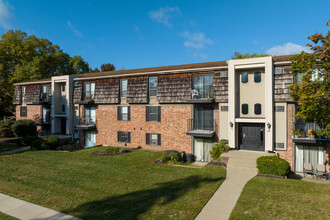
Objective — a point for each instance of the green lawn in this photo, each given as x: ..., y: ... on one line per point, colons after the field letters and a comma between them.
x: 128, y: 186
x: 5, y: 146
x: 6, y: 217
x: 268, y: 198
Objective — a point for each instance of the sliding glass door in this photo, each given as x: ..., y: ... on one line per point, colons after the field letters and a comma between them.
x: 203, y: 84
x: 308, y: 154
x: 203, y: 118
x: 202, y: 148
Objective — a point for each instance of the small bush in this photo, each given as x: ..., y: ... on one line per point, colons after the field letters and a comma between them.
x: 112, y: 150
x: 50, y: 143
x: 6, y: 127
x: 218, y: 149
x: 171, y: 158
x: 37, y: 144
x: 325, y: 132
x: 273, y: 165
x: 68, y: 142
x: 23, y: 128
x: 26, y: 141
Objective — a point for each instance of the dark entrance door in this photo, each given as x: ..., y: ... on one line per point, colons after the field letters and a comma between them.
x: 252, y: 137
x: 63, y: 125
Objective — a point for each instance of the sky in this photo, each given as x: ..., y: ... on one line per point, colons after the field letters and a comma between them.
x: 139, y: 34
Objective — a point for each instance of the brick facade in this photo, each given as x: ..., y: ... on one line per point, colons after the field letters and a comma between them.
x: 173, y: 127
x: 34, y: 112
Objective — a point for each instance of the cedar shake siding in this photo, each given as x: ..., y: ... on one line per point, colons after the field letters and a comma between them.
x: 77, y: 91
x: 137, y: 90
x: 106, y: 91
x: 32, y: 94
x: 220, y: 87
x: 282, y: 82
x: 174, y: 88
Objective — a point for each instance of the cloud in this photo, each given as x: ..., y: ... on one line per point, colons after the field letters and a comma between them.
x: 5, y: 14
x: 74, y: 30
x: 163, y: 15
x: 138, y: 31
x: 201, y: 56
x: 287, y: 49
x: 196, y: 40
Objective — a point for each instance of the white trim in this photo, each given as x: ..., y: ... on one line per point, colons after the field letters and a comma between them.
x: 155, y: 72
x: 250, y: 120
x: 28, y: 83
x: 249, y: 66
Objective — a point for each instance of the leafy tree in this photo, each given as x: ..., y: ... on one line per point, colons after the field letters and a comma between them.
x: 26, y: 58
x: 312, y: 93
x: 239, y: 55
x: 107, y: 67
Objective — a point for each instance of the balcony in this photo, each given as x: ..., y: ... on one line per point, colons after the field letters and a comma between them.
x: 87, y: 124
x: 87, y: 98
x: 201, y: 95
x: 205, y: 128
x: 44, y: 98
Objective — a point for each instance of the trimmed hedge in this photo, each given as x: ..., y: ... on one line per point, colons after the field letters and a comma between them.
x: 50, y: 143
x: 36, y: 144
x: 273, y: 165
x: 23, y: 128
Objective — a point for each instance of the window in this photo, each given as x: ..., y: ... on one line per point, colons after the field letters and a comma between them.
x: 153, y: 139
x: 123, y: 87
x: 245, y: 109
x: 257, y: 109
x: 23, y: 111
x: 124, y: 136
x: 257, y: 77
x: 153, y: 86
x: 124, y: 113
x: 23, y: 93
x: 63, y: 108
x: 308, y: 154
x: 45, y: 114
x: 153, y: 113
x: 90, y: 117
x: 224, y: 108
x: 279, y: 146
x: 244, y: 77
x: 279, y: 108
x: 203, y: 84
x: 45, y: 93
x: 279, y: 71
x: 89, y: 91
x: 63, y: 87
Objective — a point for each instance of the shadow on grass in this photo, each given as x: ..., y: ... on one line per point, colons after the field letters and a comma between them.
x: 134, y: 204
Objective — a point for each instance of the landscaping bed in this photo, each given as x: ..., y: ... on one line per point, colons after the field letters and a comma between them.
x: 271, y: 198
x: 6, y: 146
x: 112, y: 151
x: 130, y: 186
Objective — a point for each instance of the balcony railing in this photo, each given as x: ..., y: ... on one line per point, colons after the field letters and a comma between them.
x: 87, y: 123
x: 87, y: 97
x: 205, y: 128
x: 202, y: 95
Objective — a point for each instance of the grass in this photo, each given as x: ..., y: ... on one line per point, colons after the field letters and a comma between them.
x: 6, y: 217
x: 268, y: 198
x: 5, y: 146
x: 128, y: 186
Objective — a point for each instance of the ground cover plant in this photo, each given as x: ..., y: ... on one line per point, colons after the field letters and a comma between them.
x: 270, y: 198
x: 128, y: 186
x: 5, y: 146
x: 6, y: 217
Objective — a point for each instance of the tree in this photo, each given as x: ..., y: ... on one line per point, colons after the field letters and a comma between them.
x: 96, y: 70
x: 313, y: 92
x: 239, y: 55
x: 26, y: 58
x: 107, y: 67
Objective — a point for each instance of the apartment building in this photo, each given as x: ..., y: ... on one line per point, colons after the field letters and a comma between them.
x: 182, y: 107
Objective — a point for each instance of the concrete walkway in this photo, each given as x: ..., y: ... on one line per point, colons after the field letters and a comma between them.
x: 16, y: 150
x: 24, y: 210
x: 241, y: 168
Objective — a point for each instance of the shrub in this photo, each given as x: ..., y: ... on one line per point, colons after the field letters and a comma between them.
x: 23, y: 128
x: 50, y: 143
x: 218, y: 149
x: 112, y: 150
x: 6, y: 127
x: 26, y: 141
x: 325, y: 132
x: 68, y: 142
x: 37, y: 144
x: 171, y: 158
x: 273, y: 165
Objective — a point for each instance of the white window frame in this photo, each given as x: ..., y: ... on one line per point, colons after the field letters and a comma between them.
x: 153, y: 89
x: 122, y: 86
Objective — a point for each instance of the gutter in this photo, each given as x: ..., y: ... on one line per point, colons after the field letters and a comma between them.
x: 29, y: 83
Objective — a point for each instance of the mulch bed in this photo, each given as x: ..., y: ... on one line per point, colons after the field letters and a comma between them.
x: 271, y: 176
x: 101, y: 153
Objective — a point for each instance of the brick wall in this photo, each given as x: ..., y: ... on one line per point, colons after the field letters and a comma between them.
x: 34, y: 112
x: 173, y: 127
x: 289, y: 153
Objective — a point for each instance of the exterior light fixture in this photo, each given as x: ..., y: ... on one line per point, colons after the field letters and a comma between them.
x: 268, y: 125
x: 231, y: 124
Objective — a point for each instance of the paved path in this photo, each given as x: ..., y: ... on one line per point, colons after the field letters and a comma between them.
x: 241, y: 168
x: 25, y: 210
x: 16, y: 150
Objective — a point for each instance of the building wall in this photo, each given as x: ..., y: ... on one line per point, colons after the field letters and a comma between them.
x: 34, y: 112
x: 173, y: 127
x: 288, y: 154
